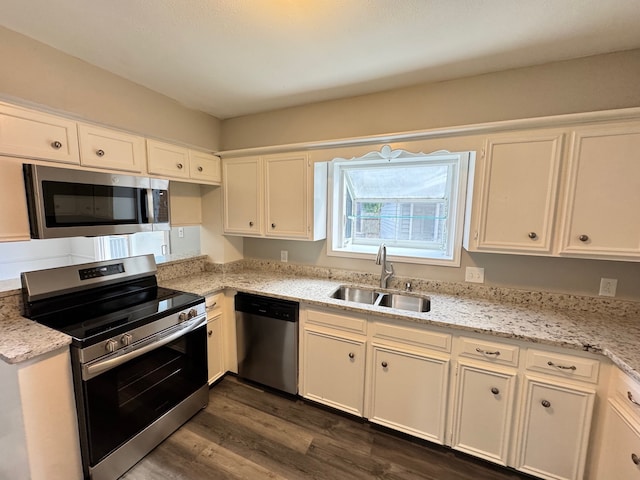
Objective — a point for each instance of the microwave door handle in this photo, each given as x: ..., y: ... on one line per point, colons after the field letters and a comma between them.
x: 150, y: 215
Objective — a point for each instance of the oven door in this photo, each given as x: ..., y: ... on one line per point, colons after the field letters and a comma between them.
x: 122, y: 401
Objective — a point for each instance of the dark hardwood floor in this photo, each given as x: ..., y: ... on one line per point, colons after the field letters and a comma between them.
x: 246, y: 433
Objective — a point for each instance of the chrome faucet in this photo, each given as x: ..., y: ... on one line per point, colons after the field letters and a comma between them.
x: 387, y: 268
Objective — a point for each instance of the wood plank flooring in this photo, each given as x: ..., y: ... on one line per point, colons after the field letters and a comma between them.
x: 247, y: 433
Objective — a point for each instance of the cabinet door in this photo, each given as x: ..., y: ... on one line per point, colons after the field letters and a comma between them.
x: 242, y: 189
x: 483, y: 411
x: 167, y: 160
x: 103, y: 148
x: 204, y: 167
x: 620, y: 455
x: 333, y: 371
x: 30, y: 134
x: 14, y: 225
x: 287, y: 202
x: 518, y: 192
x: 409, y: 392
x: 554, y: 429
x: 214, y: 348
x: 603, y: 193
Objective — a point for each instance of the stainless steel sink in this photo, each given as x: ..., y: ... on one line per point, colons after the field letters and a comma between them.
x: 372, y: 296
x: 356, y: 294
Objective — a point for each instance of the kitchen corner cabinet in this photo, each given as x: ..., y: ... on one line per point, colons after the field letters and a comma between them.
x: 30, y: 134
x: 14, y: 226
x: 275, y: 196
x: 517, y: 193
x: 215, y: 341
x: 174, y: 161
x: 603, y: 193
x: 112, y: 150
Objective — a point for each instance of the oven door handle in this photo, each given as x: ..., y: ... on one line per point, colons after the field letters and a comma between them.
x: 92, y: 370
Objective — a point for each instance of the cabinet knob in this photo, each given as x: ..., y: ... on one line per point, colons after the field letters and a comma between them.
x: 495, y: 390
x: 635, y: 459
x: 200, y: 169
x: 210, y: 332
x: 251, y: 224
x: 631, y: 399
x: 100, y: 153
x: 384, y: 364
x: 57, y: 145
x: 583, y: 238
x: 545, y: 403
x: 179, y: 165
x: 533, y: 235
x: 273, y: 225
x: 352, y: 355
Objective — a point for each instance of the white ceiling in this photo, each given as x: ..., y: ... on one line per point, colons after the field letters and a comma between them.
x: 236, y: 57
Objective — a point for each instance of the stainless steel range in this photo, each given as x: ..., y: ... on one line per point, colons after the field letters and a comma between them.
x: 138, y: 354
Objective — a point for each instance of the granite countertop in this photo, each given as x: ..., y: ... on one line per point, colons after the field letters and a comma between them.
x: 616, y: 337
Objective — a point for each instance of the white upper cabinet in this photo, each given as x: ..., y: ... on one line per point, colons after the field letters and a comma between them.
x: 29, y: 134
x: 110, y: 149
x: 204, y: 167
x: 277, y: 196
x: 518, y: 186
x: 169, y: 160
x: 603, y: 193
x: 14, y: 225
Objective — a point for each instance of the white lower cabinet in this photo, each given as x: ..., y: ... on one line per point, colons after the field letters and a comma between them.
x: 214, y: 348
x: 483, y: 411
x: 554, y: 426
x: 408, y: 391
x: 334, y: 370
x: 620, y: 455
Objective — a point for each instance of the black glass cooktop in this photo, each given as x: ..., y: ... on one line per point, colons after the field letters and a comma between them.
x: 95, y: 315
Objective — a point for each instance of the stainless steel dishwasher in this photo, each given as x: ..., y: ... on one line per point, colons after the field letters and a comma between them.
x: 267, y: 340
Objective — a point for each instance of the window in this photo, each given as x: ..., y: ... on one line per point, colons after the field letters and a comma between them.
x: 413, y: 203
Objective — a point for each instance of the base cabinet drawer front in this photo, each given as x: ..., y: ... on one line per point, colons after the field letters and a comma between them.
x: 103, y: 148
x: 412, y: 336
x: 620, y: 455
x: 340, y: 322
x: 483, y: 412
x: 565, y: 366
x: 494, y: 352
x: 215, y: 356
x: 409, y: 392
x: 334, y: 369
x: 626, y: 392
x: 555, y: 422
x: 32, y: 134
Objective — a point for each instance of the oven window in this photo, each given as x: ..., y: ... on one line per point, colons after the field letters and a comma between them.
x: 122, y: 402
x: 78, y: 204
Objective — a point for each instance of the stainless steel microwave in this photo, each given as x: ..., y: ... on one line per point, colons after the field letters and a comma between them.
x: 75, y: 203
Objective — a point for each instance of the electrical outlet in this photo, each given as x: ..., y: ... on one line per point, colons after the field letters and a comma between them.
x: 474, y: 275
x: 608, y: 287
x: 284, y: 256
x: 180, y: 232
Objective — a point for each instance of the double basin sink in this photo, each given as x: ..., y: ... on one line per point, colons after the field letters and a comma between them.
x: 383, y: 298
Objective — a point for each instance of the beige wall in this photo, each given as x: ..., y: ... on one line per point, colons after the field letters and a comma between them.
x: 35, y: 74
x: 594, y: 83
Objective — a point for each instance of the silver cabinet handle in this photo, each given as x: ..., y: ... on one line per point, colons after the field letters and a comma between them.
x: 200, y: 169
x: 495, y: 390
x: 635, y: 459
x: 631, y: 399
x: 533, y: 235
x: 100, y: 153
x: 484, y: 352
x: 583, y: 238
x: 561, y: 367
x: 57, y: 145
x: 545, y: 403
x: 352, y: 355
x: 179, y: 165
x: 384, y: 364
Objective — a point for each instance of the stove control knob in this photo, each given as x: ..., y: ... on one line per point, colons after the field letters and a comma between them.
x: 182, y: 317
x: 126, y: 339
x: 111, y: 346
x: 193, y: 313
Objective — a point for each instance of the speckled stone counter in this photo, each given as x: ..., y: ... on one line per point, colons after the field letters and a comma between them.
x: 615, y: 336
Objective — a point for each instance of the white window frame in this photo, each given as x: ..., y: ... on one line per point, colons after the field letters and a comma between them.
x: 462, y: 162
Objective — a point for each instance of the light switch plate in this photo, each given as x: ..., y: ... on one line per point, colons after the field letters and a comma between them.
x: 474, y: 275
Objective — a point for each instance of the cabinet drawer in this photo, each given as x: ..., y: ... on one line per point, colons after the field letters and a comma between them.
x: 566, y: 366
x: 348, y: 324
x: 214, y: 303
x: 494, y: 352
x: 103, y: 148
x: 627, y: 393
x: 413, y: 336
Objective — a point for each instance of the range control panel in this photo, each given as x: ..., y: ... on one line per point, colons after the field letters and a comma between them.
x: 103, y: 271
